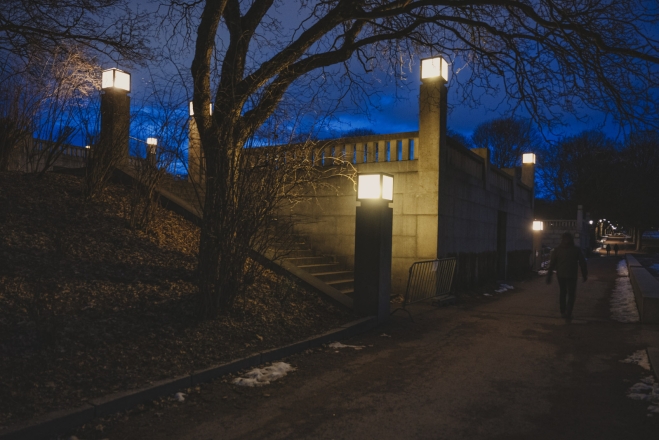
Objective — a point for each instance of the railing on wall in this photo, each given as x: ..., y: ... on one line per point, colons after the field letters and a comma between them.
x: 394, y: 147
x: 560, y: 224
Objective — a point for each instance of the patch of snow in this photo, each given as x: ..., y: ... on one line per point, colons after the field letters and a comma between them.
x: 622, y: 303
x: 180, y: 397
x: 640, y: 358
x: 263, y: 376
x: 503, y: 287
x: 384, y: 335
x: 622, y: 268
x: 647, y: 390
x: 487, y: 294
x: 340, y: 345
x: 542, y: 272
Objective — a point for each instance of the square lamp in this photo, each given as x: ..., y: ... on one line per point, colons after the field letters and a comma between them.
x: 115, y: 78
x: 434, y: 67
x: 528, y: 158
x: 378, y: 186
x: 537, y: 226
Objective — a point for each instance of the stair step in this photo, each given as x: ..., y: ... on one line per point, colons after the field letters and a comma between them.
x: 335, y: 276
x: 295, y: 253
x: 348, y: 292
x: 320, y: 268
x: 301, y: 261
x: 342, y: 284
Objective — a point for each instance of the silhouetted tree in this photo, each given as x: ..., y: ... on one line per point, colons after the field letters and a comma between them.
x: 507, y: 139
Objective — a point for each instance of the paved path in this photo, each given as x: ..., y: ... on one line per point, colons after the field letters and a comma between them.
x: 502, y: 367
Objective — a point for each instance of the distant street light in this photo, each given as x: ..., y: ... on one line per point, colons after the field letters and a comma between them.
x: 537, y: 225
x: 373, y: 228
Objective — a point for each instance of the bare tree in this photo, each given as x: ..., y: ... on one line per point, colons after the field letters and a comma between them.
x: 549, y: 56
x: 507, y: 139
x: 42, y: 102
x: 112, y: 27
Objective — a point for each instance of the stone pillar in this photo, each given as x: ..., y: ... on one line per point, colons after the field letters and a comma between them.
x: 431, y: 152
x: 115, y: 124
x: 373, y: 230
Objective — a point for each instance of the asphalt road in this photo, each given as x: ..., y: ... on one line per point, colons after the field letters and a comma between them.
x: 500, y: 367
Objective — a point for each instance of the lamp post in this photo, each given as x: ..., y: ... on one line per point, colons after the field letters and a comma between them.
x: 538, y: 226
x: 151, y: 145
x: 115, y: 112
x: 432, y: 156
x: 373, y: 228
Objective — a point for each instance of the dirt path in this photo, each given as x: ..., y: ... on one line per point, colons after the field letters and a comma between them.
x: 502, y: 367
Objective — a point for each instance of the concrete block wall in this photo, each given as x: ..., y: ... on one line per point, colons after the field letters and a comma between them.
x: 465, y: 222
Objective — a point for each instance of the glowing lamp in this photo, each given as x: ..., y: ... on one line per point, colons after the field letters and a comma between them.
x: 590, y: 222
x: 375, y: 187
x: 434, y: 68
x: 528, y: 158
x: 88, y: 146
x: 537, y: 226
x: 192, y: 109
x: 152, y: 141
x: 115, y: 78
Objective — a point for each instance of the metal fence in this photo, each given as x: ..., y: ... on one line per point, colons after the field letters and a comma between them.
x: 430, y: 279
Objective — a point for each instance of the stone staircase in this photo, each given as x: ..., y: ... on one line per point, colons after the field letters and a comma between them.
x: 325, y: 268
x: 294, y: 250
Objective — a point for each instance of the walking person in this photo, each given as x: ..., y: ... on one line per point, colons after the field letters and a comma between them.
x: 615, y: 249
x: 608, y: 250
x: 566, y: 259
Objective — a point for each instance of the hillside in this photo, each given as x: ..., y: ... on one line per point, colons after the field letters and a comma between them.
x: 89, y: 307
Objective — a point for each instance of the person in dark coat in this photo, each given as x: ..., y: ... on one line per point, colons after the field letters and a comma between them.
x: 566, y: 259
x: 615, y: 248
x: 608, y: 250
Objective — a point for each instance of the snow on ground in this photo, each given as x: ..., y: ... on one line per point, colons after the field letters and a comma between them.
x: 640, y: 358
x: 263, y: 376
x: 503, y: 287
x: 542, y: 272
x: 647, y: 390
x: 622, y: 303
x: 180, y: 397
x: 338, y: 345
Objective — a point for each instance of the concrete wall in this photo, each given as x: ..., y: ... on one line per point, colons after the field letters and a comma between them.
x: 473, y: 192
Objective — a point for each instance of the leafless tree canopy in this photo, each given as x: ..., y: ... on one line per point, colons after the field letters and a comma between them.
x: 38, y: 26
x: 548, y: 56
x: 507, y: 139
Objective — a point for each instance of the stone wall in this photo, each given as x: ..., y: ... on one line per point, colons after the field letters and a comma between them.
x: 463, y: 221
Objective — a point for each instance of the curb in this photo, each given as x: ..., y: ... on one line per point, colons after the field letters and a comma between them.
x: 56, y: 422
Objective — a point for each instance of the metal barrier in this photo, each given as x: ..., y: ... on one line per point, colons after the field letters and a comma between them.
x: 430, y: 279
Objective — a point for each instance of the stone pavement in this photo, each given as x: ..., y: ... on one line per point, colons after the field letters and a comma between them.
x: 500, y: 367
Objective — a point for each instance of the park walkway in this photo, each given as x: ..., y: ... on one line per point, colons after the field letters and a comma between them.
x: 499, y: 367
